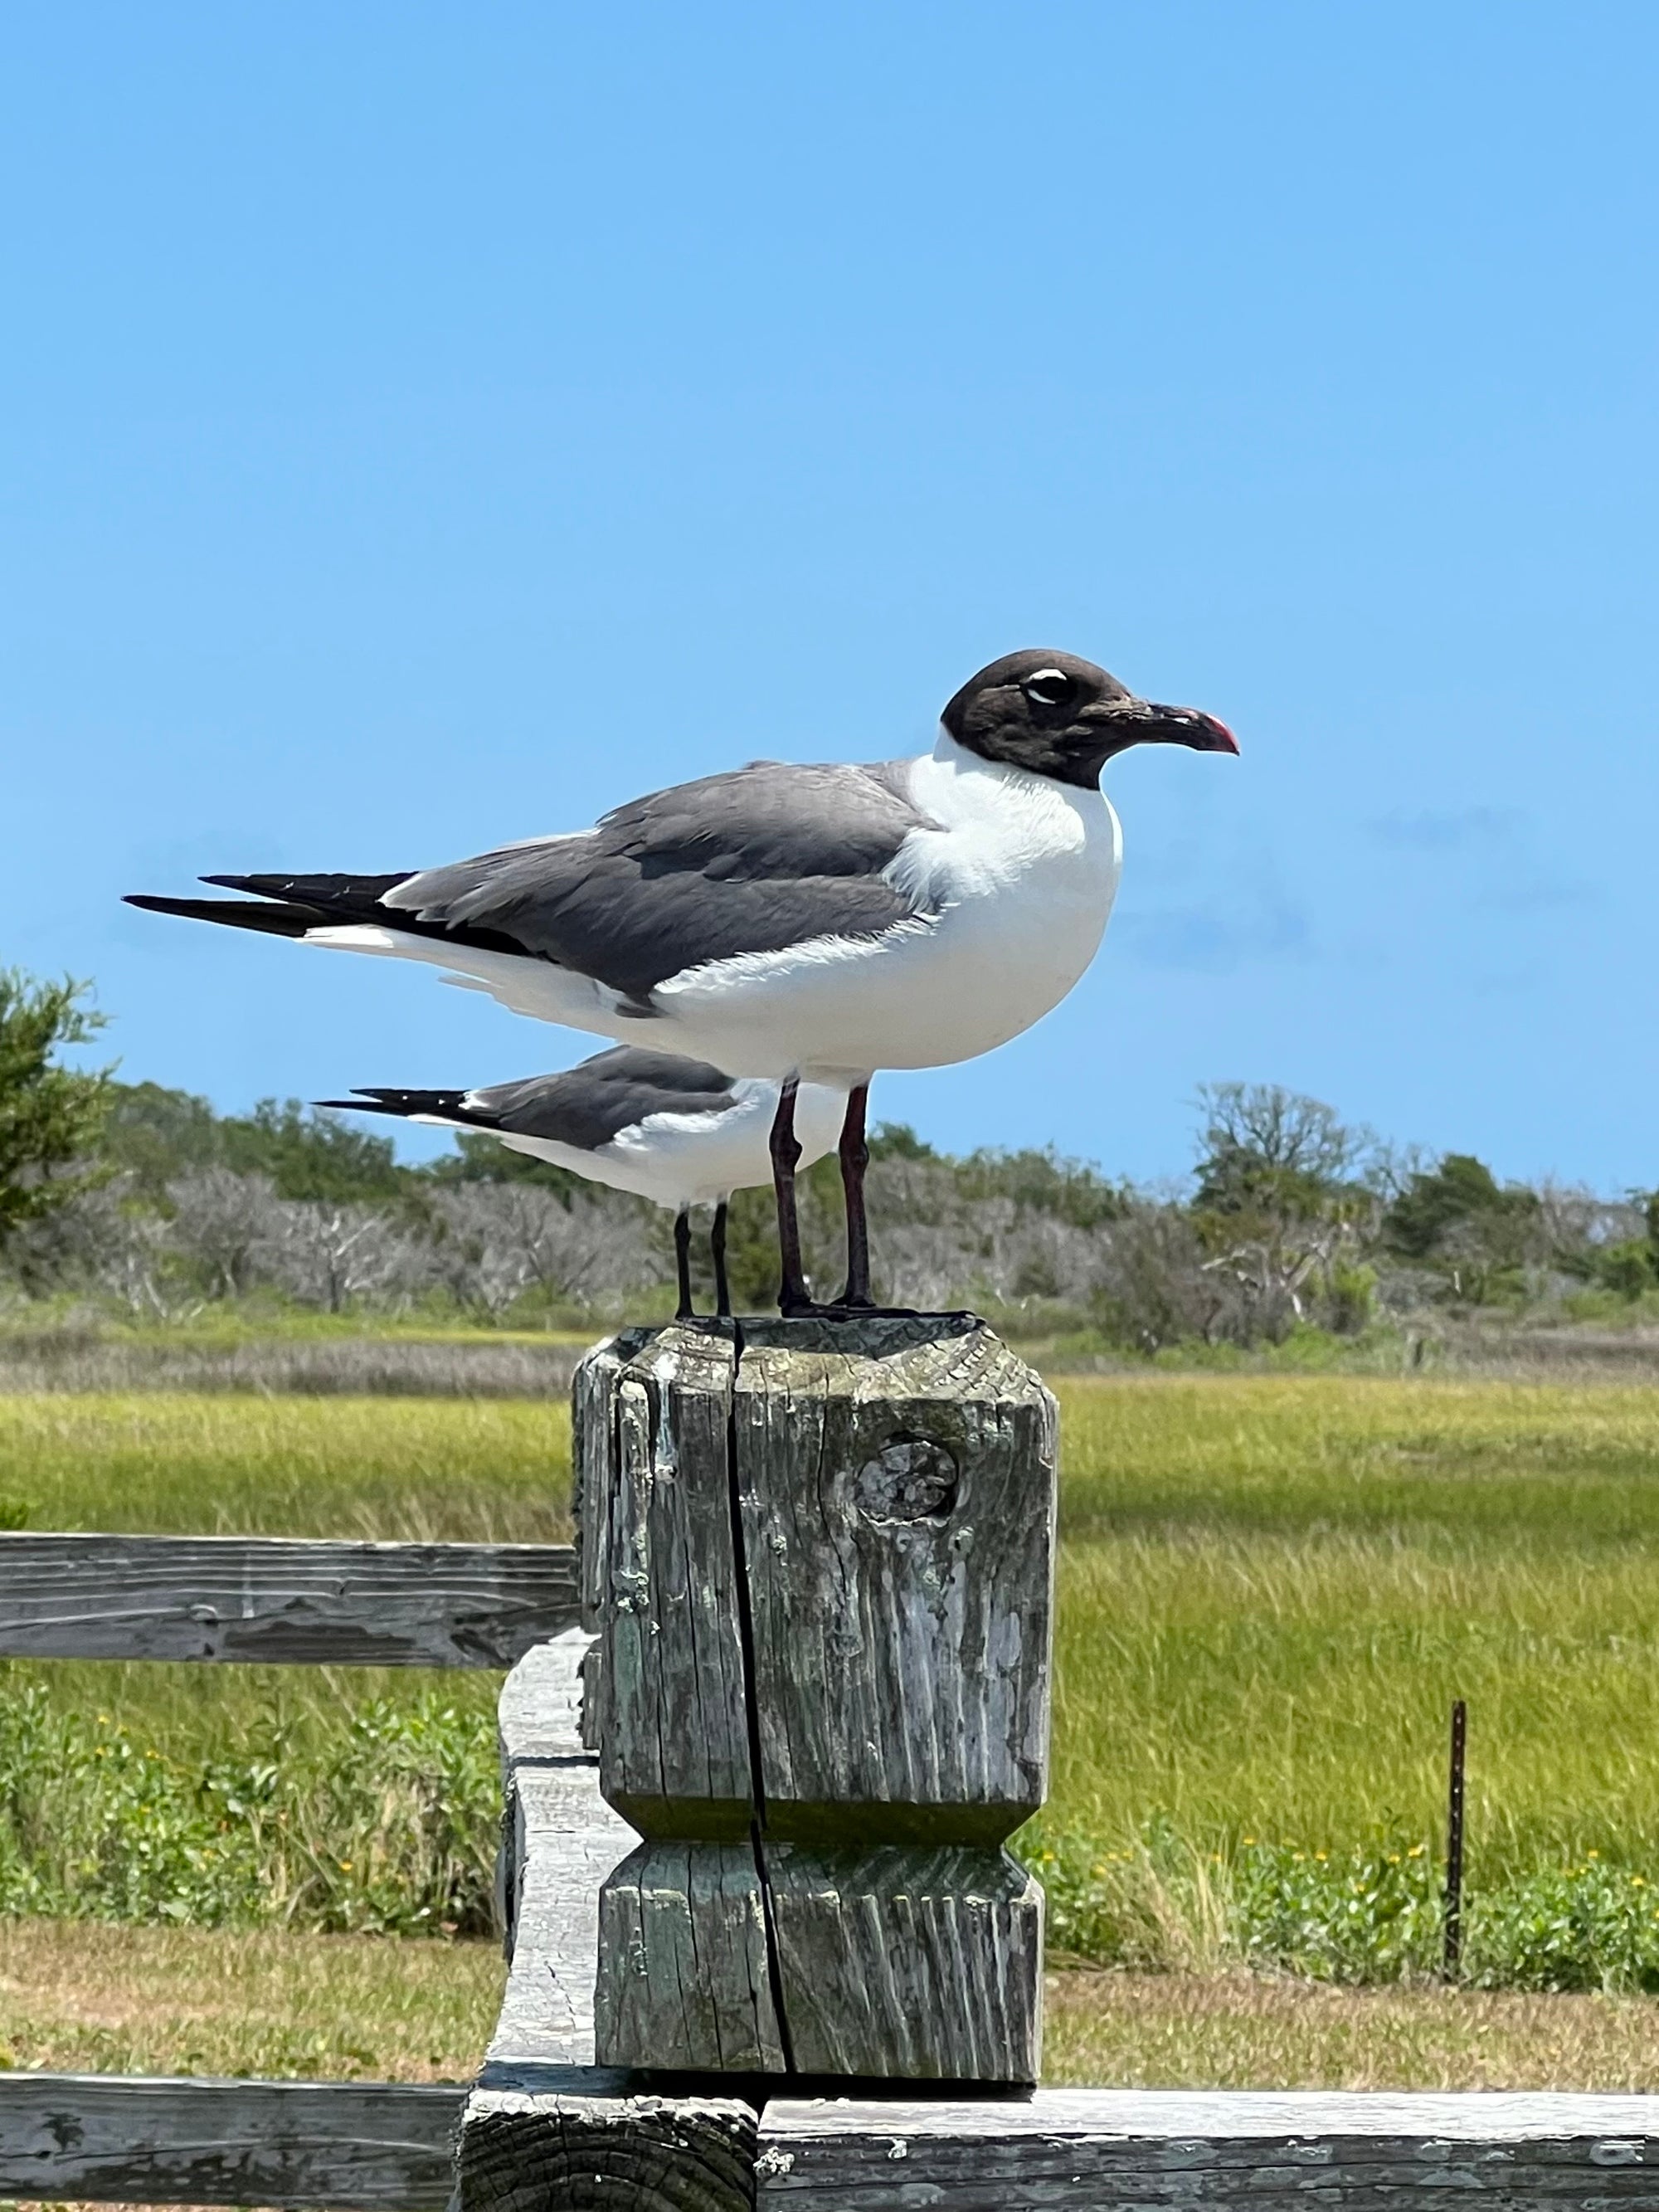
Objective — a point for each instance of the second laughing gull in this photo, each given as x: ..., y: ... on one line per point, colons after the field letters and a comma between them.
x: 803, y: 924
x: 677, y: 1132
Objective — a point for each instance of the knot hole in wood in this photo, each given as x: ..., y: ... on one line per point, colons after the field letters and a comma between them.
x: 911, y: 1478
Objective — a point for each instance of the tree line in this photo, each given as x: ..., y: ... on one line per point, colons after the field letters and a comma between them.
x: 1291, y: 1218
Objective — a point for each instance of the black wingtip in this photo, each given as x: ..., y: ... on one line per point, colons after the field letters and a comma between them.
x: 274, y: 920
x: 379, y: 1099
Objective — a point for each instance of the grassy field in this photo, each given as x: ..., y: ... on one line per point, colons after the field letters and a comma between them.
x: 420, y: 1469
x: 1271, y: 1589
x: 96, y: 1753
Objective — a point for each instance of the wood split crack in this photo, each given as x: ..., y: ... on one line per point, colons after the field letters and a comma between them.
x: 751, y: 1715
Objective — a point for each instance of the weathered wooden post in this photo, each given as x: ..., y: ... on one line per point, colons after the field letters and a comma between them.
x: 818, y: 1557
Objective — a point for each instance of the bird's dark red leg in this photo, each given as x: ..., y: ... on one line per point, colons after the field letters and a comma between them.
x: 855, y: 1158
x: 684, y: 1310
x: 717, y: 1252
x: 785, y: 1157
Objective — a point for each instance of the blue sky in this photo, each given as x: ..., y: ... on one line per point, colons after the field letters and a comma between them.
x: 425, y: 426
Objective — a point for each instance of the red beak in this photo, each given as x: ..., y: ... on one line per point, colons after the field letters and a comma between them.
x: 1186, y: 725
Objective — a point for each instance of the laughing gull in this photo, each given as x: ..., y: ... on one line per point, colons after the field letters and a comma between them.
x: 803, y: 924
x: 675, y: 1131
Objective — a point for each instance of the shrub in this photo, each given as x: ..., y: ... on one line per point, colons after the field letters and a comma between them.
x: 390, y: 1831
x: 1372, y: 1914
x: 51, y: 1116
x: 1368, y: 1915
x: 1628, y: 1268
x: 1592, y: 1926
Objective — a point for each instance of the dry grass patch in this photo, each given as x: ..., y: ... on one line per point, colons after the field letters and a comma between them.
x: 76, y: 1996
x: 81, y: 1997
x: 1241, y: 2031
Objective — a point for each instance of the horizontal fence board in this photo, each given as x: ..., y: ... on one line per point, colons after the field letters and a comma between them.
x: 281, y: 1600
x: 137, y: 2139
x: 1091, y: 2150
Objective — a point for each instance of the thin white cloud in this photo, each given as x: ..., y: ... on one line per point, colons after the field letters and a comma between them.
x: 1450, y: 830
x: 1220, y: 935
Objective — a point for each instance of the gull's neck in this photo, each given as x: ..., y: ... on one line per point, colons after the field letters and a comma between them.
x: 956, y: 760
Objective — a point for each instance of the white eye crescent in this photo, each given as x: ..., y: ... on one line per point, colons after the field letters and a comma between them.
x: 1048, y: 685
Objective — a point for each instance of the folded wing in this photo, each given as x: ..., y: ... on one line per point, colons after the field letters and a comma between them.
x: 583, y: 1108
x: 754, y: 860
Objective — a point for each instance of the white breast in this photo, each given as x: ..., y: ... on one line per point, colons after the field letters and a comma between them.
x: 691, y: 1159
x: 1015, y: 882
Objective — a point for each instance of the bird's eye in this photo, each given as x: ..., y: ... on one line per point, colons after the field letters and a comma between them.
x: 1048, y: 687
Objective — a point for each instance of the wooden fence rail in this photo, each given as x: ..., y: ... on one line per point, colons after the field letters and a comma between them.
x: 281, y: 1600
x: 137, y: 2139
x: 1182, y: 2151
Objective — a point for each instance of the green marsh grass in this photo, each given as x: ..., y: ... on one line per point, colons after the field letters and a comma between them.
x: 432, y: 1469
x: 1271, y: 1590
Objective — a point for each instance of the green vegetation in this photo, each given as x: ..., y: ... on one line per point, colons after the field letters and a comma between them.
x: 356, y: 1799
x: 51, y: 1116
x: 384, y: 1824
x: 1271, y: 1588
x: 155, y: 1135
x: 1270, y: 1591
x: 415, y: 1469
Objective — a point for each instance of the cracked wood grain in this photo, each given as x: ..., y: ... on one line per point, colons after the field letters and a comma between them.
x: 672, y: 1729
x: 909, y: 1963
x: 137, y: 2139
x: 1182, y: 2151
x: 288, y: 1601
x: 897, y: 1485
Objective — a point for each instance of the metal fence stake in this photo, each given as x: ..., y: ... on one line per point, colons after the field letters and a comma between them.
x: 1454, y: 1901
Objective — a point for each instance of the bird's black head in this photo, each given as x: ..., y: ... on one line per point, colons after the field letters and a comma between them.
x: 1063, y: 717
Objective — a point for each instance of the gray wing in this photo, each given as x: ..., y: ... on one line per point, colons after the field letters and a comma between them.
x: 754, y: 860
x: 588, y: 1106
x: 584, y: 1107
